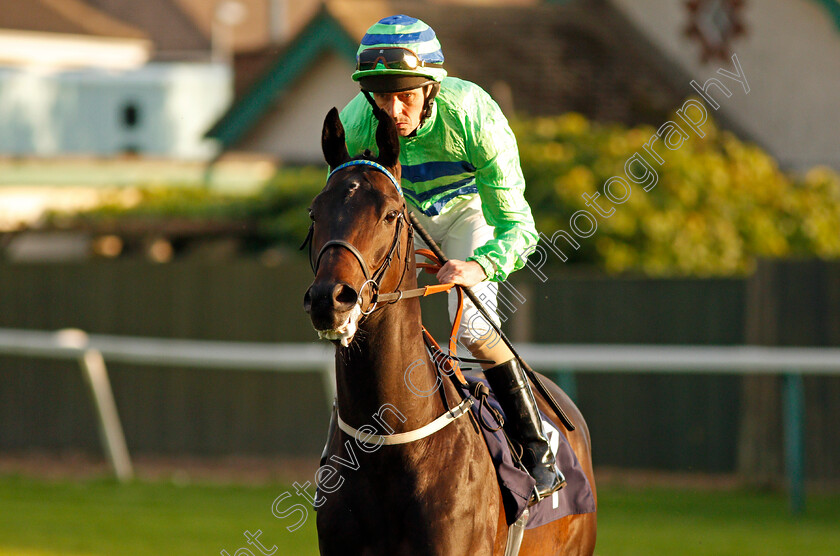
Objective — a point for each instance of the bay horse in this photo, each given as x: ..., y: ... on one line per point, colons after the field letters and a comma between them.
x: 437, y: 495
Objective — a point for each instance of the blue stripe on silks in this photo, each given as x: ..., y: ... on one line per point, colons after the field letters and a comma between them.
x: 438, y: 205
x: 429, y: 171
x: 435, y: 209
x: 403, y: 38
x: 460, y: 184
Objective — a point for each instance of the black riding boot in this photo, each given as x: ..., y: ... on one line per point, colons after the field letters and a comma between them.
x: 524, y: 425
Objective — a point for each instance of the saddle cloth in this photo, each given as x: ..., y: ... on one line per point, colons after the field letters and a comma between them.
x: 517, y: 486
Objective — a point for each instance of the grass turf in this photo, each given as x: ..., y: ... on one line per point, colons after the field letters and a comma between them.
x: 103, y: 518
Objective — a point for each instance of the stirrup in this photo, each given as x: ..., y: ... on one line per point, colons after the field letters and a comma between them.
x: 537, y: 495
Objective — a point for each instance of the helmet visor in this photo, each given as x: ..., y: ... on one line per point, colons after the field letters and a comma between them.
x: 391, y: 58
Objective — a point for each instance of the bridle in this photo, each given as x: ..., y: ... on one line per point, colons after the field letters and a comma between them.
x: 375, y: 278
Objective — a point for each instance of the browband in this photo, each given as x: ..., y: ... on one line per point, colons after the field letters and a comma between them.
x: 372, y: 164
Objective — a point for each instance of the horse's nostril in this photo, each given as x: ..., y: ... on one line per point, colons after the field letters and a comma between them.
x: 307, y: 301
x: 345, y: 296
x: 322, y: 301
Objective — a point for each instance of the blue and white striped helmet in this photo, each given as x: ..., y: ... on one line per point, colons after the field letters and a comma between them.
x: 399, y: 47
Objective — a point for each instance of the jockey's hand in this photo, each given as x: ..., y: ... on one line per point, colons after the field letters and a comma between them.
x: 463, y: 273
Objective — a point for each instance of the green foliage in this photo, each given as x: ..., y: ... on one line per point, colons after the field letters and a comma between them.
x: 160, y: 202
x: 281, y: 207
x: 276, y: 214
x: 718, y: 204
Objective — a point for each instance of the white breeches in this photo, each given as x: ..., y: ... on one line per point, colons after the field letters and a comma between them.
x: 458, y: 232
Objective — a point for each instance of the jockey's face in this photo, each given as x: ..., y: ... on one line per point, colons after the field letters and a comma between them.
x: 406, y: 107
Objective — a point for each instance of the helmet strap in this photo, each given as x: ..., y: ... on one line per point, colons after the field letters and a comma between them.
x: 371, y: 101
x: 430, y: 101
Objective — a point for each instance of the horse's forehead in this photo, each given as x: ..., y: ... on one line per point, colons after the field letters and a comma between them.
x: 360, y: 187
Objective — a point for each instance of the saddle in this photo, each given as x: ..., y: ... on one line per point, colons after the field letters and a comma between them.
x: 516, y: 485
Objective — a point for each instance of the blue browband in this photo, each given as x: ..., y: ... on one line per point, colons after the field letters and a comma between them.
x: 372, y: 164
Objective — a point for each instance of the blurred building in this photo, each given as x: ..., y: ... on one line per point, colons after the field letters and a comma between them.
x: 107, y: 77
x: 789, y: 51
x: 612, y: 60
x: 533, y: 57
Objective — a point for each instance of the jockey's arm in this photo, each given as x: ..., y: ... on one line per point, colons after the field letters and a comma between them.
x: 501, y: 185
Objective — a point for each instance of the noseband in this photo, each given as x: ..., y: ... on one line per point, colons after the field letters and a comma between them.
x: 375, y: 278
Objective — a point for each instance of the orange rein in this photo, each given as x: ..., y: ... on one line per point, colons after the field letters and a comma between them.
x: 448, y: 362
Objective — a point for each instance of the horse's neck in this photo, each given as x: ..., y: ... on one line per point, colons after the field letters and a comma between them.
x: 388, y: 364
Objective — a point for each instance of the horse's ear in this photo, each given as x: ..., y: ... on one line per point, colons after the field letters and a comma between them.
x: 387, y: 139
x: 332, y: 140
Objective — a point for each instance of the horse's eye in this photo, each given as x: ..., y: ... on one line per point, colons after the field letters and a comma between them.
x: 391, y: 216
x: 311, y: 216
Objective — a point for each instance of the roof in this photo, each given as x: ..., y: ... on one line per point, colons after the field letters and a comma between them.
x: 551, y: 58
x: 251, y: 29
x: 165, y: 23
x: 578, y: 56
x: 71, y: 17
x: 323, y: 33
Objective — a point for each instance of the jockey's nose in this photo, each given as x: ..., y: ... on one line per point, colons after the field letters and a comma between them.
x: 331, y: 297
x: 393, y: 106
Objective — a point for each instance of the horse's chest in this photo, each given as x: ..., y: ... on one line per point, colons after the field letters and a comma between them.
x: 443, y: 510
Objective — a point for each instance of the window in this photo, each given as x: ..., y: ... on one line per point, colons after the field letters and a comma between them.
x: 130, y: 115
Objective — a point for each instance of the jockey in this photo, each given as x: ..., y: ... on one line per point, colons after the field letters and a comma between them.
x: 461, y: 174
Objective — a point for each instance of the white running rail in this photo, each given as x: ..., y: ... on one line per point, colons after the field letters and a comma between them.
x: 92, y: 351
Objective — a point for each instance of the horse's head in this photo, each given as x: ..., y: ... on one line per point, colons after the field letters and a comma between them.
x: 359, y: 231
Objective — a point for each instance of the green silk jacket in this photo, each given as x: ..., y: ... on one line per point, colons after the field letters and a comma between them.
x: 466, y: 147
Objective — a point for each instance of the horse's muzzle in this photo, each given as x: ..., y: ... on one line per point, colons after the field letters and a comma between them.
x: 328, y: 303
